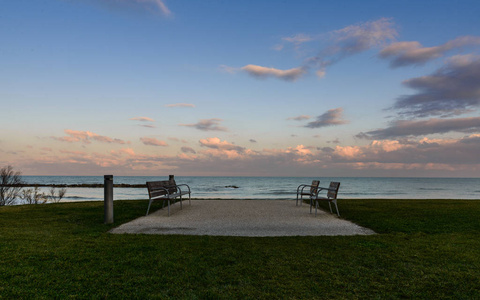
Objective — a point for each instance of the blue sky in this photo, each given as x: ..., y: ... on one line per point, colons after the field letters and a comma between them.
x: 247, y: 88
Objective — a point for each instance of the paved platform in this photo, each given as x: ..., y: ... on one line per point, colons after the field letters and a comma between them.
x: 251, y: 218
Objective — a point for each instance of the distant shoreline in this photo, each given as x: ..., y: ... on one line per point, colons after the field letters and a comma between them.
x: 82, y: 185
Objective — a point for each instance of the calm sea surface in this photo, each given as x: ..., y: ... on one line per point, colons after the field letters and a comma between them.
x: 275, y: 187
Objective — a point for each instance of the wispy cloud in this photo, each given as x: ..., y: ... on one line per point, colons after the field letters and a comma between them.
x: 352, y: 40
x: 152, y: 6
x: 180, y: 105
x: 340, y: 44
x: 153, y: 142
x: 264, y: 72
x: 216, y: 143
x: 143, y: 119
x: 406, y: 128
x: 300, y: 118
x: 296, y: 40
x: 186, y: 149
x: 86, y: 137
x: 451, y: 90
x: 227, y: 69
x: 413, y: 53
x: 207, y: 125
x: 330, y: 118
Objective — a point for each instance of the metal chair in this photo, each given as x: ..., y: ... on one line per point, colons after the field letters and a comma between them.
x: 300, y: 190
x: 332, y: 192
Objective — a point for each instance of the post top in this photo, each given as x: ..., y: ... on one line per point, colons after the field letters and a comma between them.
x: 108, y: 176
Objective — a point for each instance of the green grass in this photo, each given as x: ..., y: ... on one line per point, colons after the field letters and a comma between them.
x: 423, y: 249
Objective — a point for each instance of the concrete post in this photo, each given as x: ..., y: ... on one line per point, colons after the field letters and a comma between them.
x: 108, y: 198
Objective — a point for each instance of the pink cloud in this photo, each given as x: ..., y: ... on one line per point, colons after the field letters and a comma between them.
x: 265, y: 72
x: 153, y: 142
x: 86, y: 137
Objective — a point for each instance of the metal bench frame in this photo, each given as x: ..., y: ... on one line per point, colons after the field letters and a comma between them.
x: 332, y: 192
x: 167, y: 190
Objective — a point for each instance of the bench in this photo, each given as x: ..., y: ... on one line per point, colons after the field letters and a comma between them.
x: 312, y: 191
x: 167, y: 190
x: 332, y: 192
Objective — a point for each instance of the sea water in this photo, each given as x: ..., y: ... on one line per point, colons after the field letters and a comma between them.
x: 266, y: 188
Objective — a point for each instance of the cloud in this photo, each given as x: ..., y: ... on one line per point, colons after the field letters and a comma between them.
x: 227, y: 69
x: 153, y: 142
x: 188, y: 150
x: 180, y: 105
x: 143, y: 119
x: 298, y: 39
x: 207, y: 125
x: 422, y: 154
x: 352, y: 40
x: 451, y: 90
x: 216, y: 143
x: 153, y: 6
x: 341, y: 43
x: 433, y: 157
x: 300, y: 118
x: 330, y: 118
x: 405, y: 128
x: 86, y: 137
x: 413, y: 53
x: 148, y: 126
x: 264, y: 72
x: 252, y: 141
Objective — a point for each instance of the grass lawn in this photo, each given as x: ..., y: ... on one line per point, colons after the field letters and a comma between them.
x: 423, y: 249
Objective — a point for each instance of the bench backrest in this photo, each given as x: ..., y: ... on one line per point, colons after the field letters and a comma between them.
x: 333, y: 190
x: 314, y: 186
x: 157, y: 188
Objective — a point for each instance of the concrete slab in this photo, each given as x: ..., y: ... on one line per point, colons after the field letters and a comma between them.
x: 251, y: 218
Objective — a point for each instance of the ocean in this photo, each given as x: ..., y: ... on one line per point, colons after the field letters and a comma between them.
x: 266, y: 188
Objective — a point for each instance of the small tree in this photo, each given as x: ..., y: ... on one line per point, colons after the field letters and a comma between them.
x: 55, y: 196
x: 10, y: 185
x: 33, y: 196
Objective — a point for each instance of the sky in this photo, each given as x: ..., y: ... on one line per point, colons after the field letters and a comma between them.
x: 240, y: 88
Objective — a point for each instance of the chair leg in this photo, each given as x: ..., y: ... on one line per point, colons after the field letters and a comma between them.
x: 148, y: 209
x: 189, y: 199
x: 336, y: 206
x: 168, y: 207
x: 181, y: 207
x: 330, y: 205
x: 316, y: 206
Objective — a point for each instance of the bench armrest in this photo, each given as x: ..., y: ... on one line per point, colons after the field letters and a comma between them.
x: 305, y: 186
x: 179, y: 185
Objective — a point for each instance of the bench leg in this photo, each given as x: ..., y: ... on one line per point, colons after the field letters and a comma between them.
x: 148, y: 209
x: 336, y: 206
x: 169, y: 207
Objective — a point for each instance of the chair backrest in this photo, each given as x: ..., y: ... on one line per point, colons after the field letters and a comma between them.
x: 333, y: 190
x: 314, y: 187
x: 157, y: 188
